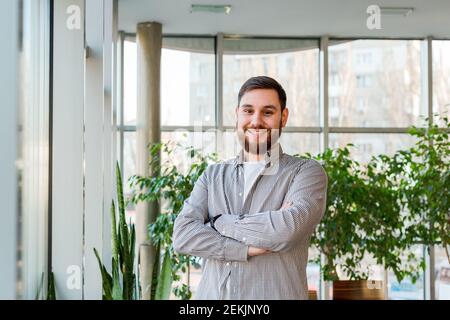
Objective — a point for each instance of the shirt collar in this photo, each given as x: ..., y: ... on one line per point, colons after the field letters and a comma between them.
x: 270, y: 157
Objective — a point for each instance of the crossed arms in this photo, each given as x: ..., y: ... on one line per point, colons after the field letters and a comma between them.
x: 240, y: 236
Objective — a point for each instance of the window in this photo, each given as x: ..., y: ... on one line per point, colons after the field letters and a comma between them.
x: 33, y: 149
x: 442, y: 273
x: 386, y: 74
x: 130, y: 83
x: 441, y: 77
x: 188, y: 82
x: 129, y: 169
x: 406, y: 290
x: 373, y: 84
x: 368, y: 144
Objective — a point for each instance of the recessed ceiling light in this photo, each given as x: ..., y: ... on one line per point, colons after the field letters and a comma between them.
x: 226, y: 8
x: 397, y: 11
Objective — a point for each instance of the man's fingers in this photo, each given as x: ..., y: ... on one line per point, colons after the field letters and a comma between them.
x: 253, y: 251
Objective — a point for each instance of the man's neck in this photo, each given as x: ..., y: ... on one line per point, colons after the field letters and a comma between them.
x: 251, y: 157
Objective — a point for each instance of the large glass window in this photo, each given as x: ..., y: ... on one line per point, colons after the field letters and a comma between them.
x: 375, y: 83
x: 367, y: 145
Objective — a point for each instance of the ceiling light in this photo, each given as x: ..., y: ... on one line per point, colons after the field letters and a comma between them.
x: 226, y: 9
x: 396, y: 11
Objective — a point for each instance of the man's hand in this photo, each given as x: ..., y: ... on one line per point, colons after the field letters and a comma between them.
x: 252, y: 251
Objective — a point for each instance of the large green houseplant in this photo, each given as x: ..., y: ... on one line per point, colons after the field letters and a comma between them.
x: 363, y: 219
x: 337, y: 236
x: 171, y: 186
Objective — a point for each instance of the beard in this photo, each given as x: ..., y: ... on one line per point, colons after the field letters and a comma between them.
x: 262, y: 144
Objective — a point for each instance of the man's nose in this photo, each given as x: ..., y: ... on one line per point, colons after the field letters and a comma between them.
x: 256, y: 120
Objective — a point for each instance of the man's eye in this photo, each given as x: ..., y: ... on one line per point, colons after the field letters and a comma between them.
x: 268, y: 113
x: 247, y: 111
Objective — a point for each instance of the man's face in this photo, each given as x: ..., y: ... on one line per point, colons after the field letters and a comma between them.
x: 259, y: 120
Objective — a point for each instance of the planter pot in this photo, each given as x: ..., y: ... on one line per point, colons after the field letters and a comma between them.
x: 358, y: 290
x: 312, y: 294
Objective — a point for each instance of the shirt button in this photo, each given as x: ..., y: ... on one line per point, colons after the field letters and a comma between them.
x: 244, y: 238
x: 228, y: 263
x: 240, y: 194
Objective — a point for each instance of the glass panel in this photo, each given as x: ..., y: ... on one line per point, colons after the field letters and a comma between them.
x: 187, y: 83
x: 442, y: 273
x: 313, y: 273
x: 441, y: 77
x: 406, y: 290
x: 129, y: 169
x: 32, y: 155
x: 300, y: 143
x: 370, y: 144
x: 129, y: 82
x: 375, y: 83
x: 293, y: 63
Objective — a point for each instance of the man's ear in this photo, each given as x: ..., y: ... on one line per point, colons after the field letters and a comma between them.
x: 284, y: 117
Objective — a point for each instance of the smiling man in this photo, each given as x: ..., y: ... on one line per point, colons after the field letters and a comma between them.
x: 251, y: 217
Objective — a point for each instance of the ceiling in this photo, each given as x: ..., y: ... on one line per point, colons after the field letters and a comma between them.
x: 340, y: 18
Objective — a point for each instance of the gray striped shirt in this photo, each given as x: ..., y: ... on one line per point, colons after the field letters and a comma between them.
x: 254, y: 221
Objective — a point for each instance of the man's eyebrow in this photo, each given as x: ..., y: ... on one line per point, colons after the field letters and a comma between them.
x: 269, y: 106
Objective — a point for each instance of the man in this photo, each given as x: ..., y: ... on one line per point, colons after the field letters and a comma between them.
x: 251, y: 217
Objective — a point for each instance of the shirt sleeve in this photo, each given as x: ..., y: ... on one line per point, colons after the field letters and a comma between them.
x: 191, y: 236
x: 280, y: 230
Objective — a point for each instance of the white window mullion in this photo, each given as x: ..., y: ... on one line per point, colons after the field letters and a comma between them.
x: 67, y: 148
x: 93, y: 149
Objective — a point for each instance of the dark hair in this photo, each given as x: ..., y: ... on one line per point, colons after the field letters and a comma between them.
x: 263, y: 82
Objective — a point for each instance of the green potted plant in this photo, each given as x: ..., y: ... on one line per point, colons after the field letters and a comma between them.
x: 340, y: 236
x: 121, y: 283
x: 363, y: 219
x: 171, y: 187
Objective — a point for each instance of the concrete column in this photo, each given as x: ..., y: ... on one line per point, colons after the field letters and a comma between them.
x: 149, y: 42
